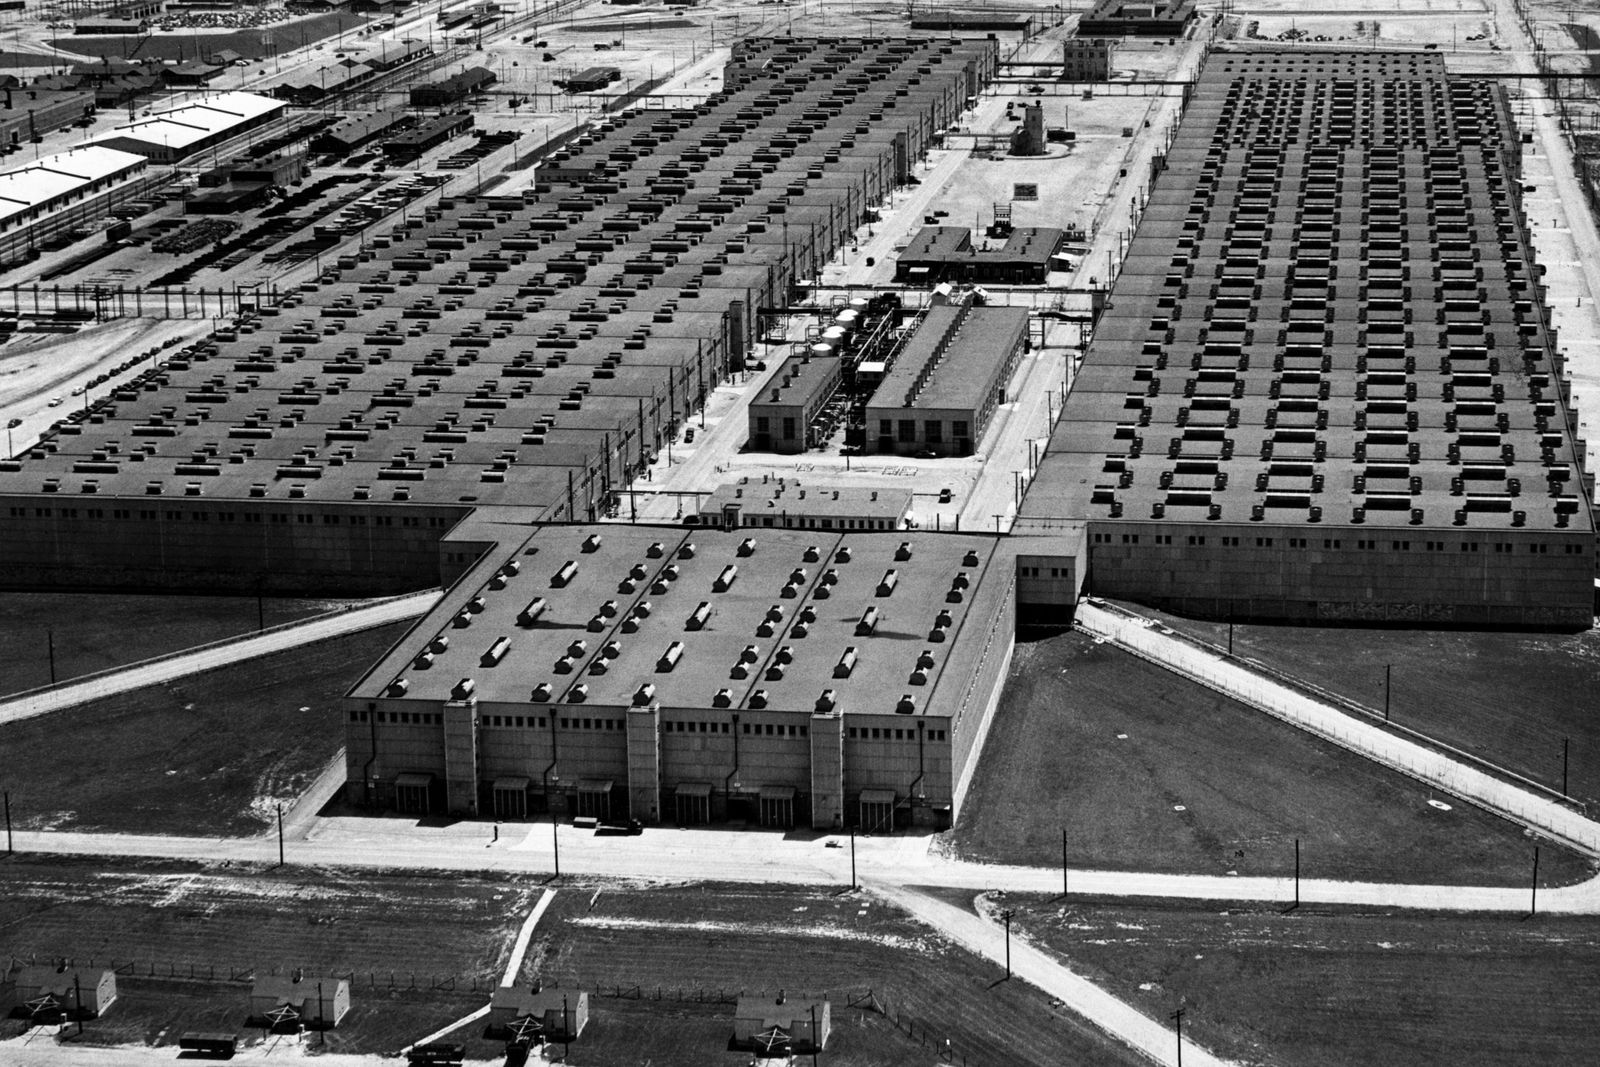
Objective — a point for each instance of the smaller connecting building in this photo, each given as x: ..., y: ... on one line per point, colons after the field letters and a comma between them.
x: 785, y: 504
x: 781, y: 416
x: 951, y: 21
x: 946, y: 254
x: 413, y: 143
x: 352, y: 133
x: 1137, y: 18
x: 172, y: 136
x: 454, y: 89
x: 948, y: 380
x: 1086, y: 59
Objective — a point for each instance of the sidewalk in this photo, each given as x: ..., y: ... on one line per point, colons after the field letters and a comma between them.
x: 210, y: 657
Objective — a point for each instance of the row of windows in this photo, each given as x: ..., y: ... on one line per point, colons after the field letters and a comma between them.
x: 1334, y: 544
x: 1040, y: 572
x: 811, y: 522
x: 422, y: 718
x: 932, y: 430
x: 149, y: 515
x: 883, y: 733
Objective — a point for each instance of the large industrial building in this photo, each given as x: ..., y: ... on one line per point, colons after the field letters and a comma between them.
x: 175, y: 135
x: 53, y: 182
x: 1325, y: 386
x: 531, y: 350
x: 787, y: 678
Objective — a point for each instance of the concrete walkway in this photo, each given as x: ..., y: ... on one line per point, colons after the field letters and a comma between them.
x: 209, y: 657
x: 1149, y: 640
x: 1120, y: 1020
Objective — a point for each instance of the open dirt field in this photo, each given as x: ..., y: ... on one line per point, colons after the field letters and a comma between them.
x: 664, y: 964
x: 420, y: 950
x: 1510, y: 698
x: 1146, y: 771
x: 96, y: 632
x: 711, y: 941
x: 209, y: 754
x: 1313, y: 989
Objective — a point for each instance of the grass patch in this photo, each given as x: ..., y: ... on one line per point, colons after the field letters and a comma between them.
x: 1095, y: 741
x: 1324, y: 989
x: 208, y: 754
x: 1510, y: 698
x: 93, y: 632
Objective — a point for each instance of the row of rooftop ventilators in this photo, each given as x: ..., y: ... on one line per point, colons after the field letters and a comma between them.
x: 577, y: 650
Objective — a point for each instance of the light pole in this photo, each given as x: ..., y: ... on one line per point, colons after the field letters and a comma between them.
x: 555, y: 838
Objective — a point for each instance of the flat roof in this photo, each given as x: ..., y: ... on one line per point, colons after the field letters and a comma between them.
x: 1329, y: 314
x: 184, y: 126
x: 770, y: 494
x: 616, y: 608
x: 953, y: 357
x: 26, y: 187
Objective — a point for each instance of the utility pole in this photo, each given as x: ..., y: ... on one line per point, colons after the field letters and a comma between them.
x: 1063, y: 862
x: 1177, y: 1024
x: 1006, y: 914
x: 1564, y: 766
x: 1533, y: 905
x: 555, y: 846
x: 280, y: 835
x: 853, y: 858
x: 10, y: 850
x: 50, y: 644
x: 1386, y: 669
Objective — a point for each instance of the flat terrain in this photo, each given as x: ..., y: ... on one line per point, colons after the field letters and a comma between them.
x: 1315, y: 989
x: 1146, y: 771
x: 663, y: 964
x: 95, y: 632
x: 209, y: 754
x: 710, y: 941
x: 420, y: 951
x: 1507, y: 697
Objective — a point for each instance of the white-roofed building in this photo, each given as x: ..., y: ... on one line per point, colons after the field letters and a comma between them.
x: 170, y: 136
x: 52, y: 182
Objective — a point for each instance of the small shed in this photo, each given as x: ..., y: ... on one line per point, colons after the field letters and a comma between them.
x: 46, y: 991
x: 558, y: 1015
x: 289, y: 1003
x: 794, y: 1025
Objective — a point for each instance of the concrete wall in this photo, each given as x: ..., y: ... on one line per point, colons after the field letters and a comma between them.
x: 165, y: 543
x: 1412, y: 575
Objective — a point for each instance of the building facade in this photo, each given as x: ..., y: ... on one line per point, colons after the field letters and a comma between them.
x: 783, y: 678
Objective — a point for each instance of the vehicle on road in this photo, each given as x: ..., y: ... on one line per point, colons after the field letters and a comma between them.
x: 56, y: 401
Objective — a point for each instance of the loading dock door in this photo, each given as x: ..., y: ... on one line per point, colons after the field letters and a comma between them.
x: 777, y: 806
x: 594, y: 798
x: 511, y: 798
x: 412, y: 793
x: 877, y: 811
x: 693, y: 802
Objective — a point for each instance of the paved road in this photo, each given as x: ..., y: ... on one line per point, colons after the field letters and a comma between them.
x: 762, y: 857
x: 210, y: 657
